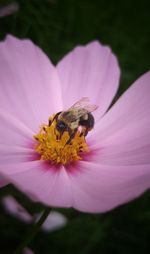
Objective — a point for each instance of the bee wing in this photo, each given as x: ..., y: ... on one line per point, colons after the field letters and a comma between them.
x: 90, y: 108
x: 81, y: 108
x: 81, y: 103
x: 84, y: 103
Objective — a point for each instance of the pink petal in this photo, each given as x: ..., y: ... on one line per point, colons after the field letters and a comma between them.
x: 127, y: 123
x: 8, y: 9
x: 89, y: 187
x: 27, y: 251
x: 16, y: 140
x: 13, y: 207
x: 41, y: 182
x: 90, y: 71
x: 3, y: 181
x: 99, y: 188
x: 12, y: 130
x: 30, y: 88
x: 54, y: 221
x: 121, y: 149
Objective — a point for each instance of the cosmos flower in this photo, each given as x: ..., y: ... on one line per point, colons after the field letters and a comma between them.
x: 54, y: 221
x: 9, y: 9
x: 12, y: 207
x: 27, y: 251
x: 111, y: 166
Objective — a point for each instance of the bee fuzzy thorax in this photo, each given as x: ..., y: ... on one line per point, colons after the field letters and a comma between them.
x: 53, y: 147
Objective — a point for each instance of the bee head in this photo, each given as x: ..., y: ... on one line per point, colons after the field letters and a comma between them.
x: 61, y: 126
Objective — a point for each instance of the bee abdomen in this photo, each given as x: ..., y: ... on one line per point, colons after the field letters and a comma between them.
x: 89, y: 123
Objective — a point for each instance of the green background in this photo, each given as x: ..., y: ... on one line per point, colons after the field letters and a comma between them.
x: 57, y: 26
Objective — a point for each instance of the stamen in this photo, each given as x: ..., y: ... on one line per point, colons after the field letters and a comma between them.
x: 54, y: 149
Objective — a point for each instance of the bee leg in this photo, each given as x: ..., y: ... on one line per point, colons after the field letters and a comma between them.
x: 72, y: 135
x: 55, y: 118
x: 61, y: 133
x: 82, y: 134
x: 58, y: 137
x: 86, y: 132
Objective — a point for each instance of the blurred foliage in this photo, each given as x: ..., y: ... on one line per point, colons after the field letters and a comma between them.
x: 57, y: 26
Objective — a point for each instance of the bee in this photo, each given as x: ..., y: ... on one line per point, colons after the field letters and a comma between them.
x: 79, y: 115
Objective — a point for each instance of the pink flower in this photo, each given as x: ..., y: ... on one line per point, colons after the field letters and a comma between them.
x: 54, y: 221
x: 8, y: 9
x: 12, y: 206
x: 27, y: 251
x: 117, y: 168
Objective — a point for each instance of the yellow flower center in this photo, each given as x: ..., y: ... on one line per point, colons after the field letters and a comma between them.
x: 54, y: 149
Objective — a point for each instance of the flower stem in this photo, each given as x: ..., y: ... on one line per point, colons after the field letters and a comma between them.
x: 33, y: 231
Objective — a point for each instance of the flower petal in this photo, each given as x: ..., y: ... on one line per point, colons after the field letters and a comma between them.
x: 88, y: 187
x: 13, y: 207
x: 54, y: 221
x: 29, y: 82
x: 12, y: 130
x: 3, y: 182
x: 27, y: 251
x: 99, y: 188
x: 121, y: 147
x: 41, y: 182
x: 126, y: 127
x: 16, y: 140
x: 90, y: 71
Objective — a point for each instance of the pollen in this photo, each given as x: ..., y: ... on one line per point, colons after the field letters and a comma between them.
x: 51, y: 147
